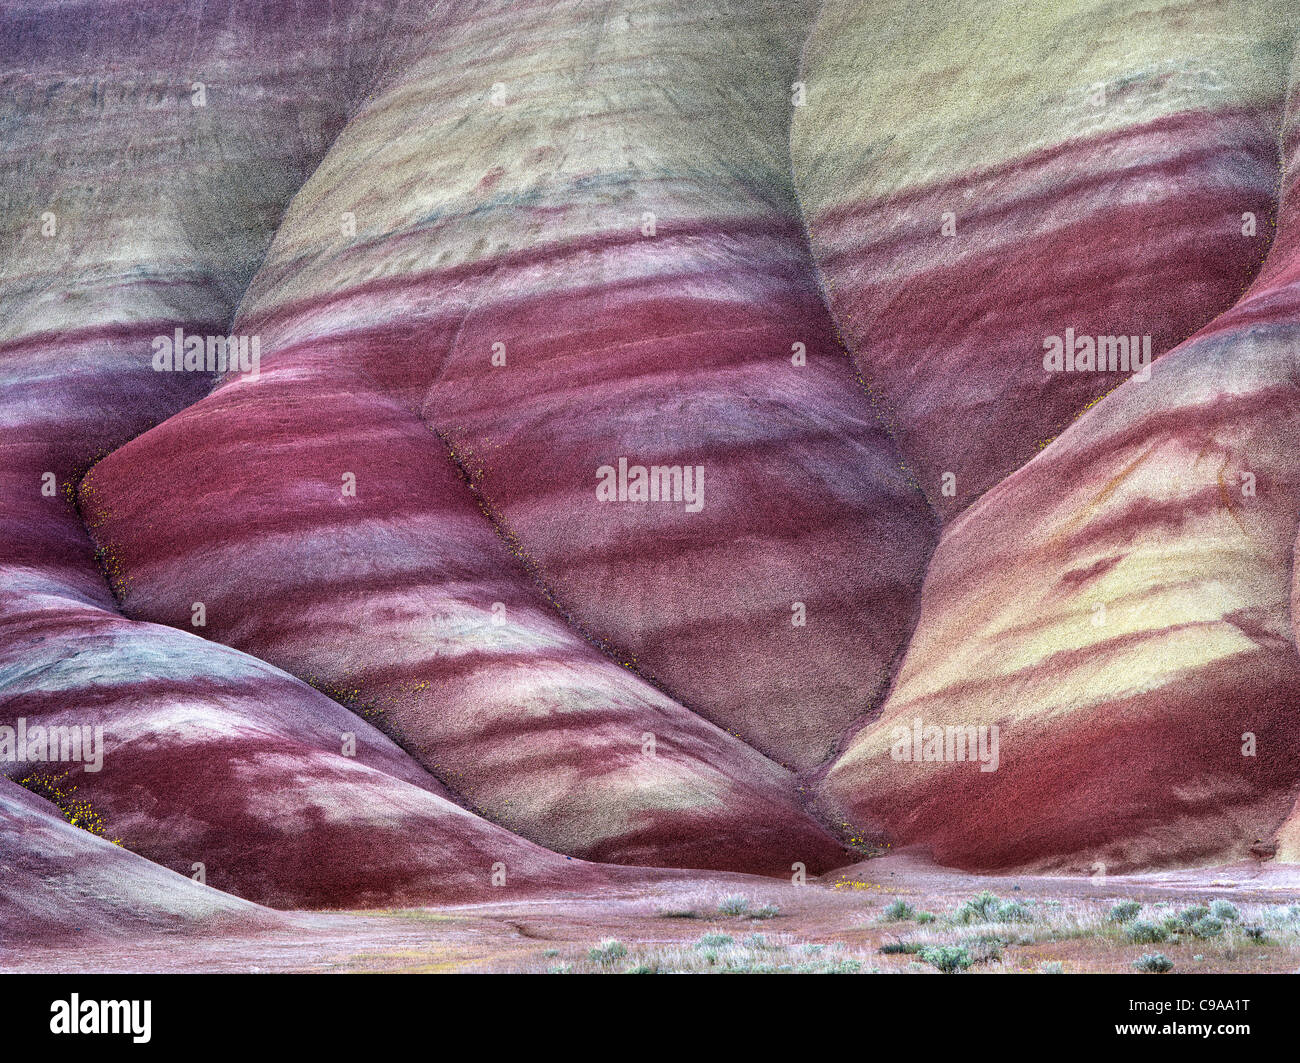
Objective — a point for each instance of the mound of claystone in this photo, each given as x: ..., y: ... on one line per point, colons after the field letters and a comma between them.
x: 449, y: 450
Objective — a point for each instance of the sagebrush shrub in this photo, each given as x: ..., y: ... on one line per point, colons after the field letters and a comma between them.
x: 736, y: 904
x: 980, y: 908
x: 1144, y: 933
x: 1224, y: 911
x: 950, y: 959
x: 1207, y: 927
x: 607, y: 951
x: 1124, y: 912
x: 898, y: 912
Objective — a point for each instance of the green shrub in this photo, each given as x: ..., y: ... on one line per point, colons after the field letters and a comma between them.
x: 925, y: 917
x: 607, y: 951
x: 768, y: 911
x: 1207, y: 927
x: 898, y: 912
x: 980, y: 908
x: 1154, y: 963
x: 985, y: 947
x: 714, y: 941
x: 1144, y: 933
x: 986, y: 907
x: 1013, y: 912
x: 1224, y: 911
x: 1124, y: 912
x: 736, y: 904
x: 1190, y: 915
x: 896, y: 948
x: 1051, y: 967
x: 950, y: 959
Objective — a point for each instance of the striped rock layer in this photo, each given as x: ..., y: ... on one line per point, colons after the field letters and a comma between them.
x: 403, y: 601
x: 1282, y: 276
x: 490, y: 250
x: 611, y: 215
x: 1144, y: 678
x: 214, y: 760
x: 131, y: 211
x: 58, y: 882
x: 691, y: 338
x: 981, y: 175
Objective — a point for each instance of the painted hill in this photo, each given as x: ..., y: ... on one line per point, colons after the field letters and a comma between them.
x: 469, y: 447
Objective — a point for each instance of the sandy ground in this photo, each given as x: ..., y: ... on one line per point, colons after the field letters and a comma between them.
x: 840, y: 915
